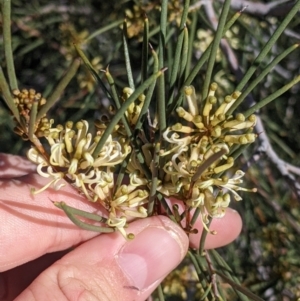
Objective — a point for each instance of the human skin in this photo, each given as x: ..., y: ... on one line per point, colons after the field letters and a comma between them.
x: 36, y: 237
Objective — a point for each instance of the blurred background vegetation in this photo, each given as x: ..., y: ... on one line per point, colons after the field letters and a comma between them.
x: 266, y: 256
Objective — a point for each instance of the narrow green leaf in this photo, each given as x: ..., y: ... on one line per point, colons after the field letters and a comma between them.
x: 271, y: 97
x: 72, y: 212
x: 54, y: 97
x: 227, y: 272
x: 145, y: 50
x: 92, y: 70
x: 184, y: 56
x: 104, y: 29
x: 148, y: 94
x: 215, y: 47
x: 240, y: 288
x: 6, y: 15
x: 160, y: 293
x: 127, y: 57
x: 259, y: 78
x: 7, y: 96
x: 193, y: 28
x: 161, y: 94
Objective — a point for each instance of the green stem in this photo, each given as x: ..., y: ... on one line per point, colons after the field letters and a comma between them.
x: 203, y: 238
x: 195, y: 217
x: 54, y: 97
x: 154, y: 180
x: 6, y: 15
x: 161, y: 104
x: 121, y: 174
x: 32, y: 120
x: 214, y: 48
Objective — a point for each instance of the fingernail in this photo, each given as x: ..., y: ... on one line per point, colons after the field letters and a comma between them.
x: 151, y: 255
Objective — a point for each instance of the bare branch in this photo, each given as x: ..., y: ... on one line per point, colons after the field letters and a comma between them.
x: 274, y: 8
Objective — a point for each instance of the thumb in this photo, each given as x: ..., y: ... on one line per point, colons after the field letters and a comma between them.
x: 109, y: 268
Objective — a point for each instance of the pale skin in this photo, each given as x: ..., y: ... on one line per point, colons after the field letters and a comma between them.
x: 34, y: 237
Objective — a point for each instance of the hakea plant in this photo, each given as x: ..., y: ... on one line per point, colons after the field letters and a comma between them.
x: 172, y: 143
x: 206, y: 138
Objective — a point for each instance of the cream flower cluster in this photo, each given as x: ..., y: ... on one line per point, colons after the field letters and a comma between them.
x: 71, y: 158
x: 197, y: 153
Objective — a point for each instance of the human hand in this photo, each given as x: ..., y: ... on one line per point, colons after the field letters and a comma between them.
x: 34, y: 236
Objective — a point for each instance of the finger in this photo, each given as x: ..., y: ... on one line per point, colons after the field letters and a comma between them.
x: 14, y: 166
x: 227, y: 228
x: 32, y: 226
x: 14, y: 281
x: 109, y: 268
